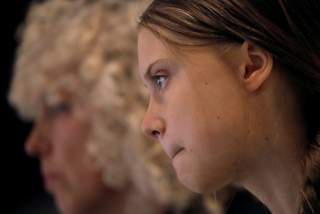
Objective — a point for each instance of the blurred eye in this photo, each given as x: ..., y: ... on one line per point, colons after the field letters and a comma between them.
x: 61, y: 108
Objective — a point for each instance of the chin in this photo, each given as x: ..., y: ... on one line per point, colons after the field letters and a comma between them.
x: 66, y: 205
x: 196, y: 185
x: 188, y: 174
x: 200, y: 181
x: 67, y: 209
x: 192, y: 181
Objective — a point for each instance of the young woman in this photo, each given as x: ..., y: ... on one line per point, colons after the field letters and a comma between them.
x: 74, y: 66
x: 234, y: 95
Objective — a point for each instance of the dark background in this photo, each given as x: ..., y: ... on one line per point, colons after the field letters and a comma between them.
x: 21, y: 181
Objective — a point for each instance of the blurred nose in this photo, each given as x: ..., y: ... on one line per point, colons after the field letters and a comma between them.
x: 38, y: 143
x: 153, y: 125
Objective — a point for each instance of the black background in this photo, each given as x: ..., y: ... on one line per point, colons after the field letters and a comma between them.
x: 20, y: 178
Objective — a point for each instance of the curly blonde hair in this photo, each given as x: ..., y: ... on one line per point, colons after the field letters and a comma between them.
x: 88, y: 48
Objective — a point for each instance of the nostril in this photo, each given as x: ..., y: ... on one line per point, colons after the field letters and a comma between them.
x: 153, y: 126
x: 155, y: 133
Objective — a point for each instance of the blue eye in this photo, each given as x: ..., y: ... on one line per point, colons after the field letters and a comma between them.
x: 159, y: 81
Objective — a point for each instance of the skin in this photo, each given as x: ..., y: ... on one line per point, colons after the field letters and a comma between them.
x: 58, y: 139
x: 224, y: 115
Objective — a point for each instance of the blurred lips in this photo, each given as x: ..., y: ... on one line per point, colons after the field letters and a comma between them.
x: 50, y: 179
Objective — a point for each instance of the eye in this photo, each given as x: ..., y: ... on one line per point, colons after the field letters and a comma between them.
x: 160, y: 81
x: 58, y: 109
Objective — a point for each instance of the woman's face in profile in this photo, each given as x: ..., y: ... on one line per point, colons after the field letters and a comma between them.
x: 196, y: 111
x: 59, y: 139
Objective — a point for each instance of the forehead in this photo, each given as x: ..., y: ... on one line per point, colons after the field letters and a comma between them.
x: 150, y: 48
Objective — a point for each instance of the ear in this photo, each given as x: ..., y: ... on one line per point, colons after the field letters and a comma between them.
x: 256, y: 66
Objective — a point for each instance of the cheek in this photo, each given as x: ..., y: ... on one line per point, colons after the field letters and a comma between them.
x: 85, y: 180
x: 70, y: 150
x: 220, y: 134
x: 220, y: 120
x: 215, y: 138
x: 210, y: 161
x: 82, y: 178
x: 81, y: 196
x: 69, y: 135
x: 181, y: 111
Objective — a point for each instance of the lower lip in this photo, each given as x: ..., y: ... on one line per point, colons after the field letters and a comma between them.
x: 177, y: 159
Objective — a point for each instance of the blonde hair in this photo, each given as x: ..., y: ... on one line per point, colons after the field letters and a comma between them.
x: 88, y: 48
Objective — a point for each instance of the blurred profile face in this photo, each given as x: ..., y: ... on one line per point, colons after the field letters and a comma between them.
x: 59, y: 139
x: 196, y: 111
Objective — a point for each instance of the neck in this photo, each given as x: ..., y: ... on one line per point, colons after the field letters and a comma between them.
x: 276, y: 176
x: 278, y: 185
x: 275, y: 173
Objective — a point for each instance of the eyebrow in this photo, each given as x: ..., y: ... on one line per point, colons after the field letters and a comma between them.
x: 146, y: 75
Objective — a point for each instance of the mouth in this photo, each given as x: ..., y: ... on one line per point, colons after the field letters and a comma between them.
x: 171, y: 149
x: 50, y: 180
x: 177, y: 152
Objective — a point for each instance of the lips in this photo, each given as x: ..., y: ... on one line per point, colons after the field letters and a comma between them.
x: 50, y: 179
x: 177, y: 152
x: 171, y: 149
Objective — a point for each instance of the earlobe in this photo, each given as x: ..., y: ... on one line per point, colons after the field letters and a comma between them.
x: 256, y: 66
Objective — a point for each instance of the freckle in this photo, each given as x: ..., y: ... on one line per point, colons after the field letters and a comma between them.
x: 267, y: 139
x: 218, y: 117
x: 206, y: 83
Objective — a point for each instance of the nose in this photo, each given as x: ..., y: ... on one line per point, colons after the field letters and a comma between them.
x: 38, y: 143
x: 153, y: 125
